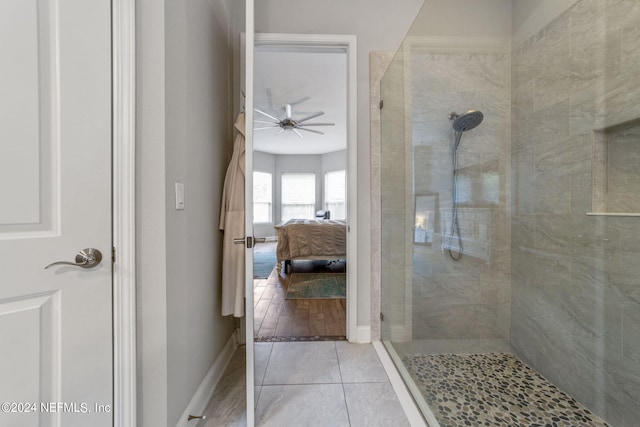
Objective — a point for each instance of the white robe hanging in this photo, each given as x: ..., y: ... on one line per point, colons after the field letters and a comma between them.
x: 232, y: 223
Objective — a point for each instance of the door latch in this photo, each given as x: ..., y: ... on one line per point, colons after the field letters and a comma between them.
x: 248, y: 241
x: 86, y: 258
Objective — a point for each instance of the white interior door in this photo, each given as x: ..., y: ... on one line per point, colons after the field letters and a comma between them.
x: 55, y: 192
x: 248, y: 46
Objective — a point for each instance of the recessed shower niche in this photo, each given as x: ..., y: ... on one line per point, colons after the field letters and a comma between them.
x: 616, y: 171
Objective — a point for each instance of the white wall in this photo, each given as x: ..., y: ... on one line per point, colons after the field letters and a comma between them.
x: 489, y: 18
x: 464, y: 18
x: 150, y: 204
x: 184, y: 135
x: 379, y: 25
x: 334, y: 161
x: 530, y: 16
x: 264, y: 162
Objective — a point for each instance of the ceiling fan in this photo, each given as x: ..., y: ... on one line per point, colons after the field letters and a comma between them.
x: 289, y: 123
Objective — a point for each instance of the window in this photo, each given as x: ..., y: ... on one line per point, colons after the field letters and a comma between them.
x: 298, y: 195
x: 262, y: 197
x: 335, y: 194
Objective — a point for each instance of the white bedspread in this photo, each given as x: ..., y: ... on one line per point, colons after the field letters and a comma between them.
x: 300, y: 238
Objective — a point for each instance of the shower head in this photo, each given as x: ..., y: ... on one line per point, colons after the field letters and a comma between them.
x: 466, y: 121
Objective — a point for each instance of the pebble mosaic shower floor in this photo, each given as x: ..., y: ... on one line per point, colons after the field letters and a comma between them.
x: 493, y: 389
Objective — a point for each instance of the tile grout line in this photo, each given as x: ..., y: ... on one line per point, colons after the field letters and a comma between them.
x: 264, y: 374
x: 346, y: 407
x: 286, y: 384
x: 344, y: 393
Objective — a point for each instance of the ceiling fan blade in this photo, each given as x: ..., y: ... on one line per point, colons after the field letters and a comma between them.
x: 310, y: 130
x: 318, y: 124
x: 280, y: 131
x: 263, y: 128
x: 268, y: 115
x: 314, y: 115
x: 297, y: 133
x: 300, y: 101
x: 269, y: 123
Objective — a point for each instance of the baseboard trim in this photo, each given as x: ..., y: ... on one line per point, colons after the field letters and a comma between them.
x: 198, y: 403
x: 363, y: 335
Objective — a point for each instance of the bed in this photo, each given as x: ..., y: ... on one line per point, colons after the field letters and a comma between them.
x: 310, y: 239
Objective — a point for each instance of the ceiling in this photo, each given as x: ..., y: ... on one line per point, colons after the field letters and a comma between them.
x: 313, y: 79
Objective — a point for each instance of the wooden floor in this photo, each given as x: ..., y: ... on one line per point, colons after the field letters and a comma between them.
x: 277, y: 317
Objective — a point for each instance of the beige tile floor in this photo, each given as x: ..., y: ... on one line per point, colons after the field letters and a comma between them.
x: 321, y: 383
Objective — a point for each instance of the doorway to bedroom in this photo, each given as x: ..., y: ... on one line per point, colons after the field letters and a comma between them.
x: 300, y: 191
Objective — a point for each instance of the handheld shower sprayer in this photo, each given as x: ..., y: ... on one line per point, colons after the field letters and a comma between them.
x: 461, y: 123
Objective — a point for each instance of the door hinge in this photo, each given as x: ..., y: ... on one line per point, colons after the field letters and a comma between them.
x: 381, y: 104
x: 113, y: 255
x: 381, y: 317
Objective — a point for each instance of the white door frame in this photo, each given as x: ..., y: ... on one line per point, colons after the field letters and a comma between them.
x: 124, y: 299
x: 124, y: 272
x: 349, y: 43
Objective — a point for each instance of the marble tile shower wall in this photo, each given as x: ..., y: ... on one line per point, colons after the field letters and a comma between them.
x: 575, y: 278
x: 469, y: 298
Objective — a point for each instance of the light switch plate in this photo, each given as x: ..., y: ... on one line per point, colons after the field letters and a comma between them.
x: 179, y: 196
